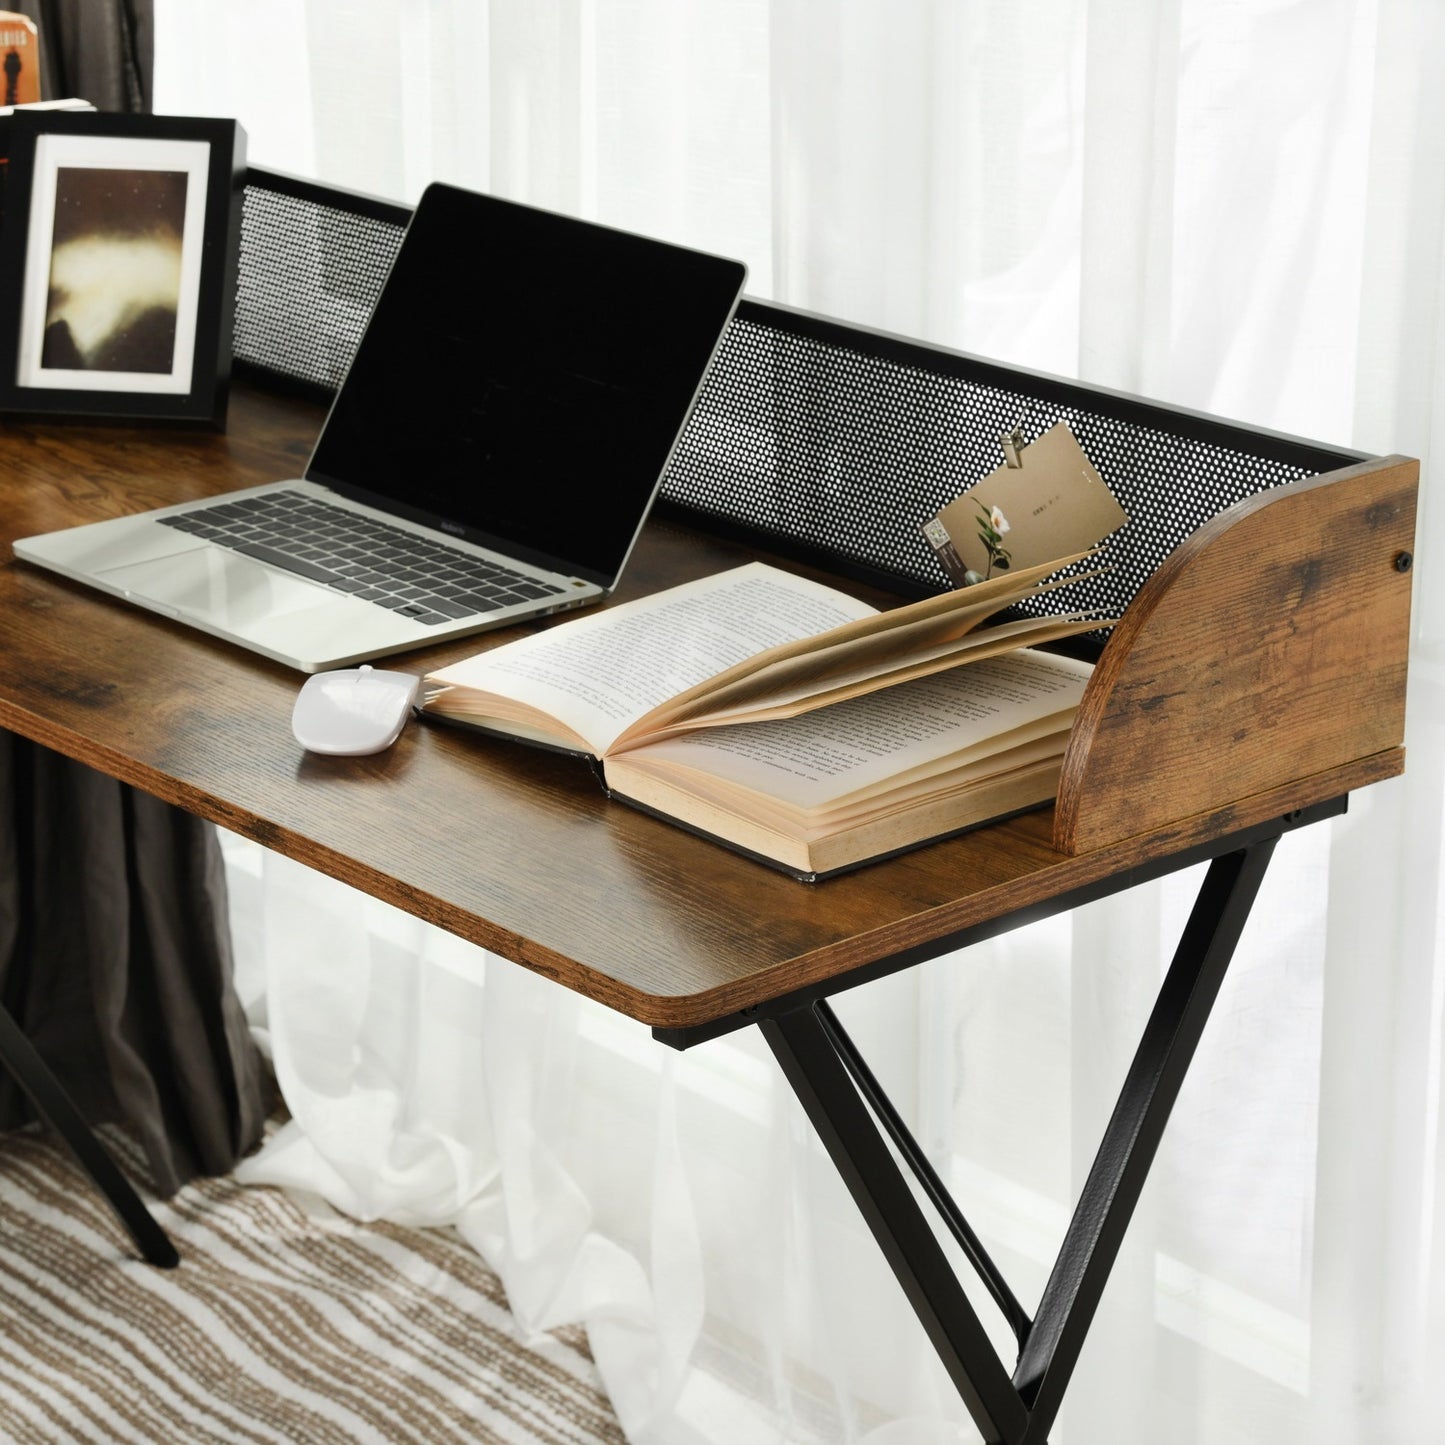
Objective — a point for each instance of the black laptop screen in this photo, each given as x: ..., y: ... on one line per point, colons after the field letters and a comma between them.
x: 524, y: 378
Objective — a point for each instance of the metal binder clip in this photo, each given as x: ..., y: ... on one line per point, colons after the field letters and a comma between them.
x: 1013, y: 447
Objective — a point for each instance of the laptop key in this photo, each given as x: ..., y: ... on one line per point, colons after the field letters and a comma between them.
x: 298, y: 565
x: 421, y: 614
x: 448, y: 608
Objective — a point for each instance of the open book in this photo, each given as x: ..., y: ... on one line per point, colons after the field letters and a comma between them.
x: 791, y: 720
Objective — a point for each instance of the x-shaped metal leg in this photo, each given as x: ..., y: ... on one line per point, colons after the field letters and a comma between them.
x: 855, y: 1122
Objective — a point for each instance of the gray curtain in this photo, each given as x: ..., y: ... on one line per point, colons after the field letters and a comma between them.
x: 97, y: 50
x: 115, y: 959
x: 115, y: 954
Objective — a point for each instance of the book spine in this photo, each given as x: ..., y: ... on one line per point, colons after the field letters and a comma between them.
x: 19, y: 60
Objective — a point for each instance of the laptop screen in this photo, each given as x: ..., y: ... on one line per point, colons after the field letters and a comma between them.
x: 524, y: 377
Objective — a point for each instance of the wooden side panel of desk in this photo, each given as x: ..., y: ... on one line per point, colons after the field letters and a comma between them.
x: 1269, y: 649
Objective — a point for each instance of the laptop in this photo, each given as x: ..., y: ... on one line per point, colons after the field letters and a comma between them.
x: 491, y: 455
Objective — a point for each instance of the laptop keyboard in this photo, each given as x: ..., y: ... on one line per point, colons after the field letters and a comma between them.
x: 420, y: 578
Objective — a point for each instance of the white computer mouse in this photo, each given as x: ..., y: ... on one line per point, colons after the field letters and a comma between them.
x: 353, y: 711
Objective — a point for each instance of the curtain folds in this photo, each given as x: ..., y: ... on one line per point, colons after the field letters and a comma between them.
x: 115, y: 960
x: 102, y: 51
x: 1236, y: 208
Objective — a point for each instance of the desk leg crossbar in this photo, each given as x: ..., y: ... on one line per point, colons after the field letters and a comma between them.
x: 856, y: 1123
x: 53, y: 1104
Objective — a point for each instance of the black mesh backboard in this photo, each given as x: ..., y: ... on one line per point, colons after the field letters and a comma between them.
x: 846, y: 441
x: 312, y: 265
x: 810, y: 436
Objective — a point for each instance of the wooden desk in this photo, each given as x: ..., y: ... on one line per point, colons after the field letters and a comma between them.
x: 472, y: 837
x: 517, y: 850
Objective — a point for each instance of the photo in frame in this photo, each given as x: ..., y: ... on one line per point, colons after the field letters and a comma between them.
x: 118, y: 259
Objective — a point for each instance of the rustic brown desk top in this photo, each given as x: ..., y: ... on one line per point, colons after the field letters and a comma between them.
x: 513, y: 848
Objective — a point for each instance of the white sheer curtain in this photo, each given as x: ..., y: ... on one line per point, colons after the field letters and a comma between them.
x: 1236, y: 205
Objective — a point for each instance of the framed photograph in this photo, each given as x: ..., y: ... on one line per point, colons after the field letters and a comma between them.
x: 118, y: 260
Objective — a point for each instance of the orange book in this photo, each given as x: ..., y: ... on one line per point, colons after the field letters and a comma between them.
x: 19, y: 60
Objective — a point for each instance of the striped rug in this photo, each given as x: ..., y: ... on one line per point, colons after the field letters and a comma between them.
x: 284, y: 1324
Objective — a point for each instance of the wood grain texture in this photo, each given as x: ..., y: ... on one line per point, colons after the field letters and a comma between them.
x: 512, y: 848
x: 1271, y: 646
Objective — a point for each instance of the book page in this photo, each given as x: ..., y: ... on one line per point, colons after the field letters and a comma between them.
x: 962, y: 772
x: 812, y: 694
x: 599, y: 673
x: 812, y: 760
x: 881, y: 643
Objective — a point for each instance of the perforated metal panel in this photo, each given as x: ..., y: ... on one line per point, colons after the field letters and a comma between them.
x: 810, y: 436
x: 310, y: 272
x: 835, y: 447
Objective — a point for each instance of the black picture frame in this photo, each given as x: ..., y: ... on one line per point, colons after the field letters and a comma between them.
x: 118, y: 257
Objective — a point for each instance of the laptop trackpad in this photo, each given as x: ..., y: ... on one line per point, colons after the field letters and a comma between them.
x: 218, y: 585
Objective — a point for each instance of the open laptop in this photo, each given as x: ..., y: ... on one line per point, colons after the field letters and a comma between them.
x: 491, y: 455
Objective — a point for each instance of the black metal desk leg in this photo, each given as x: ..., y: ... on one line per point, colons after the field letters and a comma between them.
x: 52, y: 1103
x: 1096, y: 1231
x: 847, y: 1107
x: 823, y: 1085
